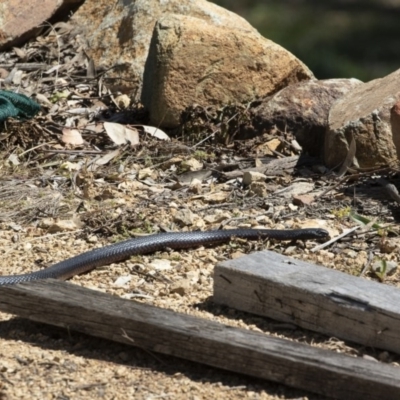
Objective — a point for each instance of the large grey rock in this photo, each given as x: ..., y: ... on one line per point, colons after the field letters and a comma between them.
x: 301, y: 109
x: 118, y: 33
x: 365, y: 114
x: 192, y: 61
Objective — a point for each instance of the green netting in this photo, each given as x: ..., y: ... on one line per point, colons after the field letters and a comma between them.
x: 16, y: 105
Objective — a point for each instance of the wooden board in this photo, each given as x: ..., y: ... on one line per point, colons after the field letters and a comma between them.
x: 239, y: 350
x: 312, y: 297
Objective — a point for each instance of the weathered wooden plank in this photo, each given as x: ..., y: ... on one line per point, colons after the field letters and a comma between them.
x: 312, y: 297
x: 200, y: 340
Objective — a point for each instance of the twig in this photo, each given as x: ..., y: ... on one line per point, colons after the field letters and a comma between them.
x: 335, y: 239
x: 367, y: 264
x: 33, y: 148
x: 73, y: 151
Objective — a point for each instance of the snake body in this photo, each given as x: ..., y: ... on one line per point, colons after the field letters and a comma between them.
x: 171, y: 240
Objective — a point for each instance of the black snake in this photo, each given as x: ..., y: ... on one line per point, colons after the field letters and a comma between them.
x: 171, y: 240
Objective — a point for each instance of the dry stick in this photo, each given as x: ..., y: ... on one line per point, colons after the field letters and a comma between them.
x: 345, y: 178
x: 331, y: 188
x: 34, y: 148
x: 335, y: 239
x: 58, y: 49
x: 213, y: 133
x: 73, y: 151
x: 367, y: 264
x: 349, y: 158
x: 25, y: 66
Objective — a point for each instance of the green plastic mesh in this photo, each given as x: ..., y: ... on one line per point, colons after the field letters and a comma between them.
x: 16, y: 105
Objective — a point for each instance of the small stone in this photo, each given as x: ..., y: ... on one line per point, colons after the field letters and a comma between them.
x: 161, y: 264
x: 387, y: 246
x: 351, y: 253
x: 237, y: 254
x: 195, y: 186
x: 122, y: 280
x: 303, y: 200
x: 184, y: 217
x: 252, y: 176
x: 65, y: 225
x: 384, y: 356
x: 215, y: 218
x: 193, y: 276
x: 370, y: 358
x: 181, y: 287
x: 259, y: 189
x: 290, y: 250
x: 146, y: 173
x: 92, y: 239
x: 15, y: 227
x: 217, y: 197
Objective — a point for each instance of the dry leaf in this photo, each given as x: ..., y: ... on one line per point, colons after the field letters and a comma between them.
x: 155, y: 132
x: 120, y: 134
x: 69, y: 166
x: 72, y: 136
x: 269, y: 147
x: 43, y: 100
x: 108, y: 157
x: 273, y: 144
x: 20, y: 53
x: 13, y: 159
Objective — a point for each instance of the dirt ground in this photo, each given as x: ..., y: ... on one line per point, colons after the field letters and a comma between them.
x: 60, y: 198
x: 39, y: 361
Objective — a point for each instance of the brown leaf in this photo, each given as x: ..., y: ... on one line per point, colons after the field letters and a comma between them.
x: 155, y: 132
x: 20, y: 53
x: 72, y: 136
x: 120, y: 134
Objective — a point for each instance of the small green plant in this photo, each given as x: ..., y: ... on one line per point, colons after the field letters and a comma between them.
x: 342, y: 213
x: 202, y: 155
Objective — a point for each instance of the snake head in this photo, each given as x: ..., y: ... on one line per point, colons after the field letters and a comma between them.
x: 321, y: 233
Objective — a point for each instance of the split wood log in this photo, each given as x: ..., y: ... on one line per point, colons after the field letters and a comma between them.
x: 200, y: 340
x: 312, y: 297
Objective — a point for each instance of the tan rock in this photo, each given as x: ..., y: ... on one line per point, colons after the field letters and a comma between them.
x: 185, y: 217
x: 181, y: 287
x: 250, y: 177
x: 192, y: 61
x: 22, y: 20
x: 119, y: 33
x: 365, y: 114
x: 65, y: 225
x: 301, y: 109
x: 259, y: 189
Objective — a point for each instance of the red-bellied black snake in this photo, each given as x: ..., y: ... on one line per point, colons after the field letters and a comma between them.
x: 148, y: 244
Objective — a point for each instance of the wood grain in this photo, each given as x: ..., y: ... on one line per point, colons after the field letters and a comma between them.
x: 164, y: 331
x: 312, y: 297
